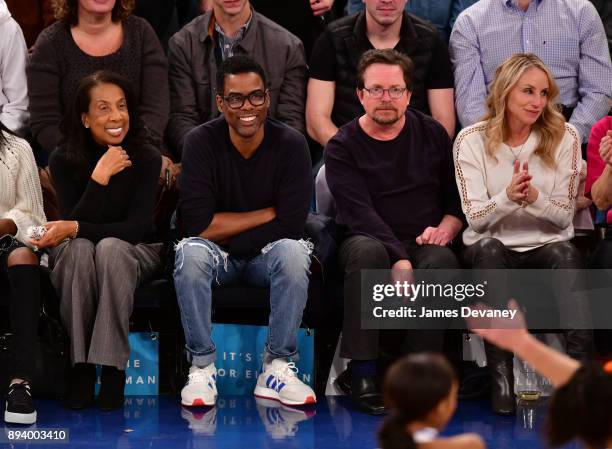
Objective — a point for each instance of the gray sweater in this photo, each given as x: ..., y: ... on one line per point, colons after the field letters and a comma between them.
x: 58, y: 64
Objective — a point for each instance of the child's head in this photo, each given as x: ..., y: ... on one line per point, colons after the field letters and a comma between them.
x: 581, y: 409
x: 417, y: 388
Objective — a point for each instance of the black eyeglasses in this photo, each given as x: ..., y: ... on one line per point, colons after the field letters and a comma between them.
x: 378, y: 92
x: 236, y: 101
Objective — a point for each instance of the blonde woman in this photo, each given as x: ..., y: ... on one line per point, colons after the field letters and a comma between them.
x: 518, y: 175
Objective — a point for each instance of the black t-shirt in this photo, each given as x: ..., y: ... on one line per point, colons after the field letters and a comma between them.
x: 392, y: 190
x: 323, y: 63
x: 217, y: 178
x: 328, y: 62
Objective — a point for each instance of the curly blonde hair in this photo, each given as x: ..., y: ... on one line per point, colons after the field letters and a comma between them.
x: 67, y: 10
x: 550, y: 124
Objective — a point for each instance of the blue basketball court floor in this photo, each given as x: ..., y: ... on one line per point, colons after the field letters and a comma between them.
x: 158, y: 422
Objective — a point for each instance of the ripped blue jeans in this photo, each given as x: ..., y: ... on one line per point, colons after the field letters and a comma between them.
x: 283, y: 266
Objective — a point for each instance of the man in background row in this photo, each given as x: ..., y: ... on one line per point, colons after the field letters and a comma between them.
x: 195, y: 52
x: 332, y: 101
x: 575, y: 49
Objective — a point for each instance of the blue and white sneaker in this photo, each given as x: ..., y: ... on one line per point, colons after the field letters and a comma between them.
x: 281, y: 421
x: 280, y: 383
x: 201, y: 387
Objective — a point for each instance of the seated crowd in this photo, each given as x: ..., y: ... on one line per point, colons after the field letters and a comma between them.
x: 230, y: 115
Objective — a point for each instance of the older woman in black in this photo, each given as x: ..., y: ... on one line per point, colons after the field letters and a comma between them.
x: 105, y: 174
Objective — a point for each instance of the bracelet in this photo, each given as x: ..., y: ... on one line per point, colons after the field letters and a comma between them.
x: 76, y: 231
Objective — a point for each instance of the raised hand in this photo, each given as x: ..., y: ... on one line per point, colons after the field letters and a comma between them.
x: 112, y: 162
x: 503, y: 332
x: 605, y: 148
x: 320, y: 7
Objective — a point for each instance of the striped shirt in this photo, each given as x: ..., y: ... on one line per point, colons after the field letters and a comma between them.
x: 567, y: 35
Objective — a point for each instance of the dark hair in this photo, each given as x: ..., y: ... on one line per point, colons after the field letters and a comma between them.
x: 413, y: 387
x: 581, y: 409
x: 67, y: 10
x: 235, y: 65
x: 76, y: 138
x: 3, y: 139
x: 387, y: 56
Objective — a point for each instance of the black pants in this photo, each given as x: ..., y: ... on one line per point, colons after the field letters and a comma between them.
x: 602, y: 259
x: 490, y: 253
x: 24, y: 308
x: 360, y: 253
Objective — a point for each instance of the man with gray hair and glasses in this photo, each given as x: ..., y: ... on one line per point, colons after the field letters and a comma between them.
x: 391, y: 174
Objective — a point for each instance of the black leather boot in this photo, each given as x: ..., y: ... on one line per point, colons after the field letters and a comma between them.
x: 367, y: 396
x: 112, y: 388
x: 579, y: 344
x: 82, y: 386
x: 500, y: 365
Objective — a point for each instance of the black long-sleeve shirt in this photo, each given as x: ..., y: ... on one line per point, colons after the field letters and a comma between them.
x: 392, y: 190
x: 217, y: 178
x: 122, y: 209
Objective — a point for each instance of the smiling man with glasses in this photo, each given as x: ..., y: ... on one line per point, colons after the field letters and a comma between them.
x: 245, y: 191
x: 391, y: 175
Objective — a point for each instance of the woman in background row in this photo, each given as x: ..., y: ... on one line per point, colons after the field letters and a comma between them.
x: 92, y: 35
x: 518, y: 174
x: 105, y: 174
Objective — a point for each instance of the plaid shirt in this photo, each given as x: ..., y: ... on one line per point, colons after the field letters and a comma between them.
x: 566, y: 34
x: 227, y: 43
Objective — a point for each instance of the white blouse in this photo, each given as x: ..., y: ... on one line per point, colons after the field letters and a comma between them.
x: 20, y: 192
x: 482, y: 183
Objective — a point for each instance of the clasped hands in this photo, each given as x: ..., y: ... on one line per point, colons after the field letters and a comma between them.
x: 520, y: 190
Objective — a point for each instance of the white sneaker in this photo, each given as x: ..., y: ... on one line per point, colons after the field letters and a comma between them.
x: 279, y: 382
x: 201, y: 387
x: 202, y: 421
